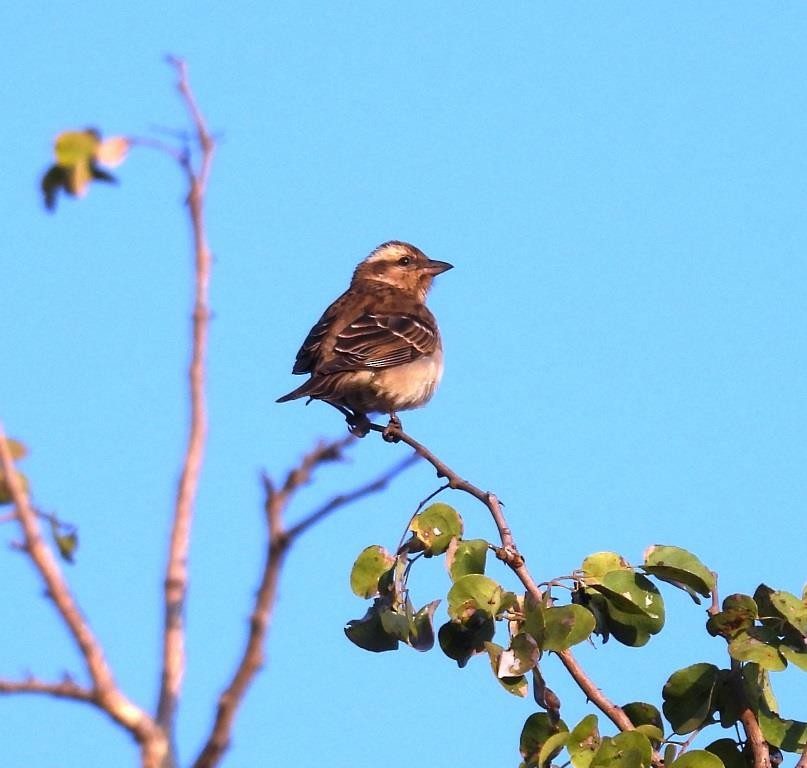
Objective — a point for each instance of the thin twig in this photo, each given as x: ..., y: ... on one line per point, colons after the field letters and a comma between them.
x: 508, y: 553
x: 400, y: 548
x: 65, y: 689
x: 279, y: 544
x: 176, y: 575
x: 714, y: 608
x: 343, y: 499
x: 161, y: 146
x: 105, y: 693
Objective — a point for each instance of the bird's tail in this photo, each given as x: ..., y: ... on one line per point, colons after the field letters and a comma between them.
x: 326, y: 388
x: 301, y: 391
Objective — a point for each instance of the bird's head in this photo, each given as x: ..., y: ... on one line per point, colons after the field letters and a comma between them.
x: 401, y: 265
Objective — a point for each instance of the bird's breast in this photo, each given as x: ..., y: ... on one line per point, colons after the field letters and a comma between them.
x: 399, y: 387
x: 412, y: 384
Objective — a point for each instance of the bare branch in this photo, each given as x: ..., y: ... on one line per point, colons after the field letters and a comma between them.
x: 65, y: 689
x: 279, y: 544
x: 176, y: 576
x: 342, y: 500
x: 508, y: 553
x: 105, y: 693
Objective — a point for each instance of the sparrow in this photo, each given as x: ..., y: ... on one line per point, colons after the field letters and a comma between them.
x: 377, y: 348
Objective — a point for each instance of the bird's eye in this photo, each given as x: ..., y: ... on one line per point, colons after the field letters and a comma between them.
x: 405, y: 261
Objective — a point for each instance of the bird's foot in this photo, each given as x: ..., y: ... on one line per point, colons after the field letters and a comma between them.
x: 392, y: 432
x: 358, y: 424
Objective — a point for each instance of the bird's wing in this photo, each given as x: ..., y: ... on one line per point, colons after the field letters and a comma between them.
x: 315, y: 345
x: 309, y: 352
x: 382, y: 340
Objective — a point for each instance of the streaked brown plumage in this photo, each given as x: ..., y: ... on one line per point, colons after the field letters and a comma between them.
x: 377, y: 347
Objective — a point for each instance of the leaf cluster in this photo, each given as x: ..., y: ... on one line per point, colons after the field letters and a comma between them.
x: 609, y: 598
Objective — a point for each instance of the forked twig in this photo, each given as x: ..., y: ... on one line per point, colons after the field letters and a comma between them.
x: 104, y: 693
x: 279, y: 542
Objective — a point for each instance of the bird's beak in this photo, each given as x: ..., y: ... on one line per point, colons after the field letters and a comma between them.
x: 434, y: 267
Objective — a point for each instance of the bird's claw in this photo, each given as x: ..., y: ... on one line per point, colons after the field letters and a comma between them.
x: 392, y: 432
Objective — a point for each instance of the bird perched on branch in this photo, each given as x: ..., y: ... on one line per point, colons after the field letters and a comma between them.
x: 377, y: 347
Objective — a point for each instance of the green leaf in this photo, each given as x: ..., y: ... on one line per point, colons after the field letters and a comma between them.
x: 794, y: 656
x: 67, y: 544
x: 629, y: 749
x: 421, y: 631
x: 725, y: 701
x: 584, y: 741
x: 760, y: 645
x: 520, y: 657
x: 395, y: 624
x: 462, y: 640
x: 654, y: 734
x: 632, y: 593
x: 635, y: 609
x: 791, y: 609
x: 680, y: 568
x: 757, y: 684
x: 368, y: 632
x: 552, y: 747
x: 739, y: 613
x: 598, y: 606
x: 647, y: 720
x: 372, y: 562
x: 537, y: 731
x: 642, y: 713
x: 435, y: 527
x: 468, y: 557
x: 475, y: 592
x: 669, y: 754
x: 697, y: 758
x: 565, y: 626
x: 515, y: 684
x: 789, y: 735
x: 600, y: 563
x: 729, y: 753
x: 688, y: 695
x: 628, y: 629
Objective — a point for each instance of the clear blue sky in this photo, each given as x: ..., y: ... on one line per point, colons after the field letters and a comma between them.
x: 622, y: 188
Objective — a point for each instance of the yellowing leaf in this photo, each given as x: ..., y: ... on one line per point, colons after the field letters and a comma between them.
x: 76, y: 147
